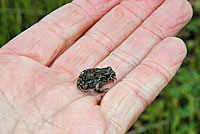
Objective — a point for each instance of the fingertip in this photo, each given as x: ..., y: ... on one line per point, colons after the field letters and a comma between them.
x: 190, y: 10
x: 178, y: 44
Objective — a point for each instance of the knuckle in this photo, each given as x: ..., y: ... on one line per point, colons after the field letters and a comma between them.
x: 158, y: 68
x: 155, y: 29
x: 139, y: 90
x: 102, y: 39
x: 126, y: 58
x: 137, y: 11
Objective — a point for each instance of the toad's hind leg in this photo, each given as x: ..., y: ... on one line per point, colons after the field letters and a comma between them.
x: 100, y: 90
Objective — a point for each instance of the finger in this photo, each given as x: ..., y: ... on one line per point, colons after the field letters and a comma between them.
x: 164, y: 22
x: 127, y: 100
x: 58, y: 31
x: 105, y: 36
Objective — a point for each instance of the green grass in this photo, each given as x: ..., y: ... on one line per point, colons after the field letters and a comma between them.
x: 177, y: 108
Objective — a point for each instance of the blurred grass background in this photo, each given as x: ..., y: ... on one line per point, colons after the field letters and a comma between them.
x: 175, y: 111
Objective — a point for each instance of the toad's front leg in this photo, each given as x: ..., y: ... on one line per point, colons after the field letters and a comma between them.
x: 85, y: 90
x: 100, y: 90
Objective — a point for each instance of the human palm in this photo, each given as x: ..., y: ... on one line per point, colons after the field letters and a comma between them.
x: 39, y: 68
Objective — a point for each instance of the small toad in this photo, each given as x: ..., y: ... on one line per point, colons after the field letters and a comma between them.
x: 95, y: 78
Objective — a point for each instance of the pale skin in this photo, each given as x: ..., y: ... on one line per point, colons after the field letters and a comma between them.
x: 39, y: 68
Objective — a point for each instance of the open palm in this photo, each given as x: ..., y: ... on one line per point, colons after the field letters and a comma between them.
x: 39, y: 68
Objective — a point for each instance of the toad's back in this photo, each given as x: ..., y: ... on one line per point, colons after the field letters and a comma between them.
x: 89, y: 78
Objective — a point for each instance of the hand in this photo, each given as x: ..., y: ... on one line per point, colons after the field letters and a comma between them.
x: 39, y: 68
